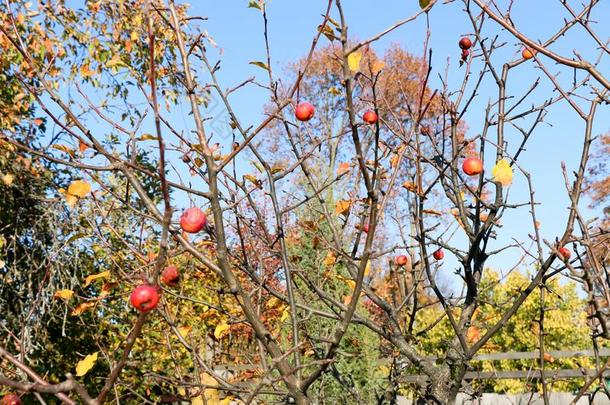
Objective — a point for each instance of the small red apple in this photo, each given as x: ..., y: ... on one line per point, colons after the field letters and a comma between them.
x: 170, y: 276
x: 144, y: 298
x: 472, y: 166
x: 304, y: 111
x: 370, y: 117
x: 528, y: 53
x: 465, y: 43
x: 193, y: 220
x: 465, y: 53
x: 401, y: 260
x: 438, y: 254
x: 565, y: 252
x: 365, y: 228
x: 11, y: 399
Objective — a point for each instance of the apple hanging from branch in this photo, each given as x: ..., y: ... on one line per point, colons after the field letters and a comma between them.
x: 145, y: 297
x: 193, y: 220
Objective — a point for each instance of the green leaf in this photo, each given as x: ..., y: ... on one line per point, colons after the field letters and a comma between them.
x: 260, y: 64
x: 255, y: 4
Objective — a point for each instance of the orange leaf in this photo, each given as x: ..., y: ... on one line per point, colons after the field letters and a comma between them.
x: 342, y: 207
x: 343, y: 168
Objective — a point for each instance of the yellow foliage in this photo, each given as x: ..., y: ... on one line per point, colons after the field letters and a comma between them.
x: 86, y: 364
x: 503, y: 173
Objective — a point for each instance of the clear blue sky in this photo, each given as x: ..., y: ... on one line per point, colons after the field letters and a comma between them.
x: 237, y: 30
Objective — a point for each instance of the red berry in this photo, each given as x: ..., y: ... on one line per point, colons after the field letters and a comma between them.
x: 401, y: 260
x: 11, y: 399
x: 465, y: 53
x: 170, y: 276
x: 144, y: 298
x: 370, y: 117
x: 472, y: 166
x: 193, y: 220
x: 304, y: 111
x: 565, y: 252
x: 465, y: 43
x: 439, y: 254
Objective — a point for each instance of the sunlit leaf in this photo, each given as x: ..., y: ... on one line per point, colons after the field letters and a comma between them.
x: 79, y: 188
x: 86, y: 364
x: 7, y: 179
x: 330, y: 259
x: 503, y: 173
x: 353, y: 61
x: 342, y: 207
x: 221, y: 330
x: 260, y: 64
x: 93, y: 277
x: 63, y: 294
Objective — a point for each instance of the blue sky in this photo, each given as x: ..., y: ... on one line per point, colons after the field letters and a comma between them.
x: 237, y: 30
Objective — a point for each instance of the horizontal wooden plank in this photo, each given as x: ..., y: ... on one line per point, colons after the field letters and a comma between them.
x: 517, y: 374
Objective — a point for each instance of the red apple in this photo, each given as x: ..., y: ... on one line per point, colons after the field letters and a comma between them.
x: 170, y: 276
x: 365, y: 228
x: 527, y: 53
x: 11, y: 399
x: 565, y: 252
x: 304, y: 111
x: 465, y: 53
x: 472, y: 166
x: 193, y: 220
x: 370, y: 117
x: 144, y: 298
x: 438, y: 254
x: 401, y: 260
x: 465, y: 43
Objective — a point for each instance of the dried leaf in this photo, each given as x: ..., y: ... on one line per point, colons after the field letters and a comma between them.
x: 63, y: 294
x: 342, y: 207
x: 377, y: 66
x: 85, y: 71
x: 82, y: 146
x: 184, y: 331
x: 93, y: 277
x: 80, y: 308
x: 221, y: 330
x: 343, y: 168
x: 86, y: 364
x: 503, y: 173
x: 330, y: 259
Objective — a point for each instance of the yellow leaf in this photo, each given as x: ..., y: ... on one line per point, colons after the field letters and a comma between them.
x: 184, y: 331
x: 503, y: 173
x: 411, y: 186
x: 343, y: 168
x: 7, y: 179
x: 79, y: 188
x: 134, y: 36
x: 330, y: 259
x: 342, y: 207
x: 64, y: 148
x: 367, y: 269
x: 220, y: 330
x: 252, y: 179
x: 86, y: 364
x: 93, y: 277
x: 63, y: 294
x: 353, y: 61
x: 210, y: 393
x: 334, y: 91
x: 285, y: 314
